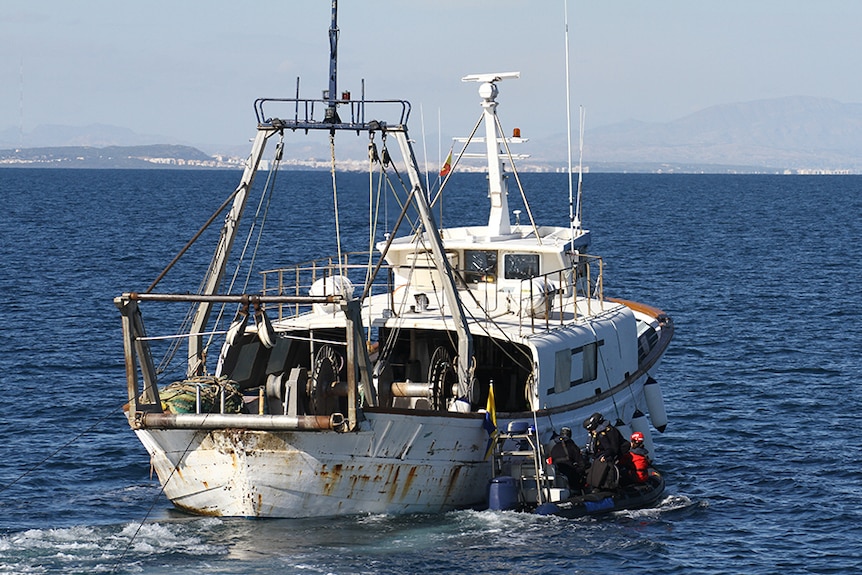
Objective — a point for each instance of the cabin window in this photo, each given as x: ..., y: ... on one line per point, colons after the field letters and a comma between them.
x: 521, y: 266
x: 481, y: 266
x: 585, y: 363
x: 590, y: 361
x: 575, y: 366
x: 562, y: 370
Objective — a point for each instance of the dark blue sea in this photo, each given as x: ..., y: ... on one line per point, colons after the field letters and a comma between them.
x: 761, y: 274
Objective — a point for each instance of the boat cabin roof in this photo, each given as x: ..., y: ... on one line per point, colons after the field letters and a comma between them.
x: 517, y: 256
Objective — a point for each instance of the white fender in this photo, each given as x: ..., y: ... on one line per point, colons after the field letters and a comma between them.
x: 535, y: 296
x: 332, y: 285
x: 265, y: 332
x: 237, y: 328
x: 640, y: 423
x: 655, y: 404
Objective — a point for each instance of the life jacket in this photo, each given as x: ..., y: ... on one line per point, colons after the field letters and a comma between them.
x: 639, y: 463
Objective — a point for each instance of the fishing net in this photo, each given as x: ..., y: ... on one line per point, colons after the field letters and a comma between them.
x: 182, y: 396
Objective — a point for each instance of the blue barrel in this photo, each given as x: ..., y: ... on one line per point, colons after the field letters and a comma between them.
x: 502, y: 493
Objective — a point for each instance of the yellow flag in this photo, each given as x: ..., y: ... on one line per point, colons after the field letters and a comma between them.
x: 490, y: 423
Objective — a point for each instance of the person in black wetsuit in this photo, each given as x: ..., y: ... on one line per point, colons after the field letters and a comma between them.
x: 606, y: 441
x: 605, y: 447
x: 566, y: 456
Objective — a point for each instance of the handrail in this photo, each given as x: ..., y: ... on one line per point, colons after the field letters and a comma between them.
x: 306, y: 114
x: 571, y: 285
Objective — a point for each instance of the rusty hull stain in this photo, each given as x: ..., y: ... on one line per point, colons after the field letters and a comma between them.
x: 411, y: 475
x: 453, y: 479
x: 197, y: 511
x: 331, y: 478
x: 393, y: 484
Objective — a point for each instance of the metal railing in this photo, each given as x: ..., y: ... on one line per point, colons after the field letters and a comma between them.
x: 545, y: 299
x: 305, y: 277
x: 551, y: 296
x: 309, y: 114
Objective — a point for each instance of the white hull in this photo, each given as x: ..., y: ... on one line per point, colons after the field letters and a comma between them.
x: 396, y: 463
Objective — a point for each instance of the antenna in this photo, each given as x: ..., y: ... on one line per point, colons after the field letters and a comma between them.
x: 583, y: 117
x: 331, y: 112
x: 569, y: 126
x: 21, y: 106
x: 491, y: 77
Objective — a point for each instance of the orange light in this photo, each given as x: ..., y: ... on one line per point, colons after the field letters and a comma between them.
x: 516, y: 133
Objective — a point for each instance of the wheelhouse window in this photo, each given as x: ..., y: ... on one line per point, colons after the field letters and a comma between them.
x: 480, y: 266
x: 521, y: 266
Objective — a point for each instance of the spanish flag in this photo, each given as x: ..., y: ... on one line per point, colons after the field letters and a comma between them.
x: 490, y: 423
x: 447, y: 165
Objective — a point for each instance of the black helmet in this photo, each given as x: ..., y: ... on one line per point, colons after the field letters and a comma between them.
x: 566, y: 432
x: 593, y: 422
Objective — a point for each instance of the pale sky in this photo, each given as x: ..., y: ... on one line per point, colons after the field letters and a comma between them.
x: 190, y: 70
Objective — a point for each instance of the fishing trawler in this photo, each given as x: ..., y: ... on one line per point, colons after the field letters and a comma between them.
x: 374, y: 382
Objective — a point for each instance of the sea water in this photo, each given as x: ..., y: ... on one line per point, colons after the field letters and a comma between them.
x: 761, y: 274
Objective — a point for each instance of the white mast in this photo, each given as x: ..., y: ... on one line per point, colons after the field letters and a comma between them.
x: 498, y: 219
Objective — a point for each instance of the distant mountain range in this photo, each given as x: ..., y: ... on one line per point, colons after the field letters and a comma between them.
x: 796, y: 133
x: 785, y: 134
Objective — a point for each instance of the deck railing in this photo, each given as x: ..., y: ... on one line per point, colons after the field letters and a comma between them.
x: 543, y: 301
x: 300, y: 279
x: 547, y: 301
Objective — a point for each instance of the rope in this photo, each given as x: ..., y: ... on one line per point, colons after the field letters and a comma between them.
x: 58, y: 450
x: 73, y: 440
x: 152, y: 506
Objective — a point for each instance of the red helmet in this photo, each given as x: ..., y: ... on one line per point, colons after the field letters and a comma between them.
x: 637, y: 437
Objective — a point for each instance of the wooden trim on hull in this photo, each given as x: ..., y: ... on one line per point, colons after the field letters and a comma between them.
x: 643, y: 308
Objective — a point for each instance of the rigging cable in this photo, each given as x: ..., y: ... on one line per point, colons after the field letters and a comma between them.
x: 569, y: 125
x: 335, y: 201
x: 174, y: 346
x: 195, y: 237
x: 373, y: 212
x: 517, y: 179
x: 457, y: 159
x: 260, y: 216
